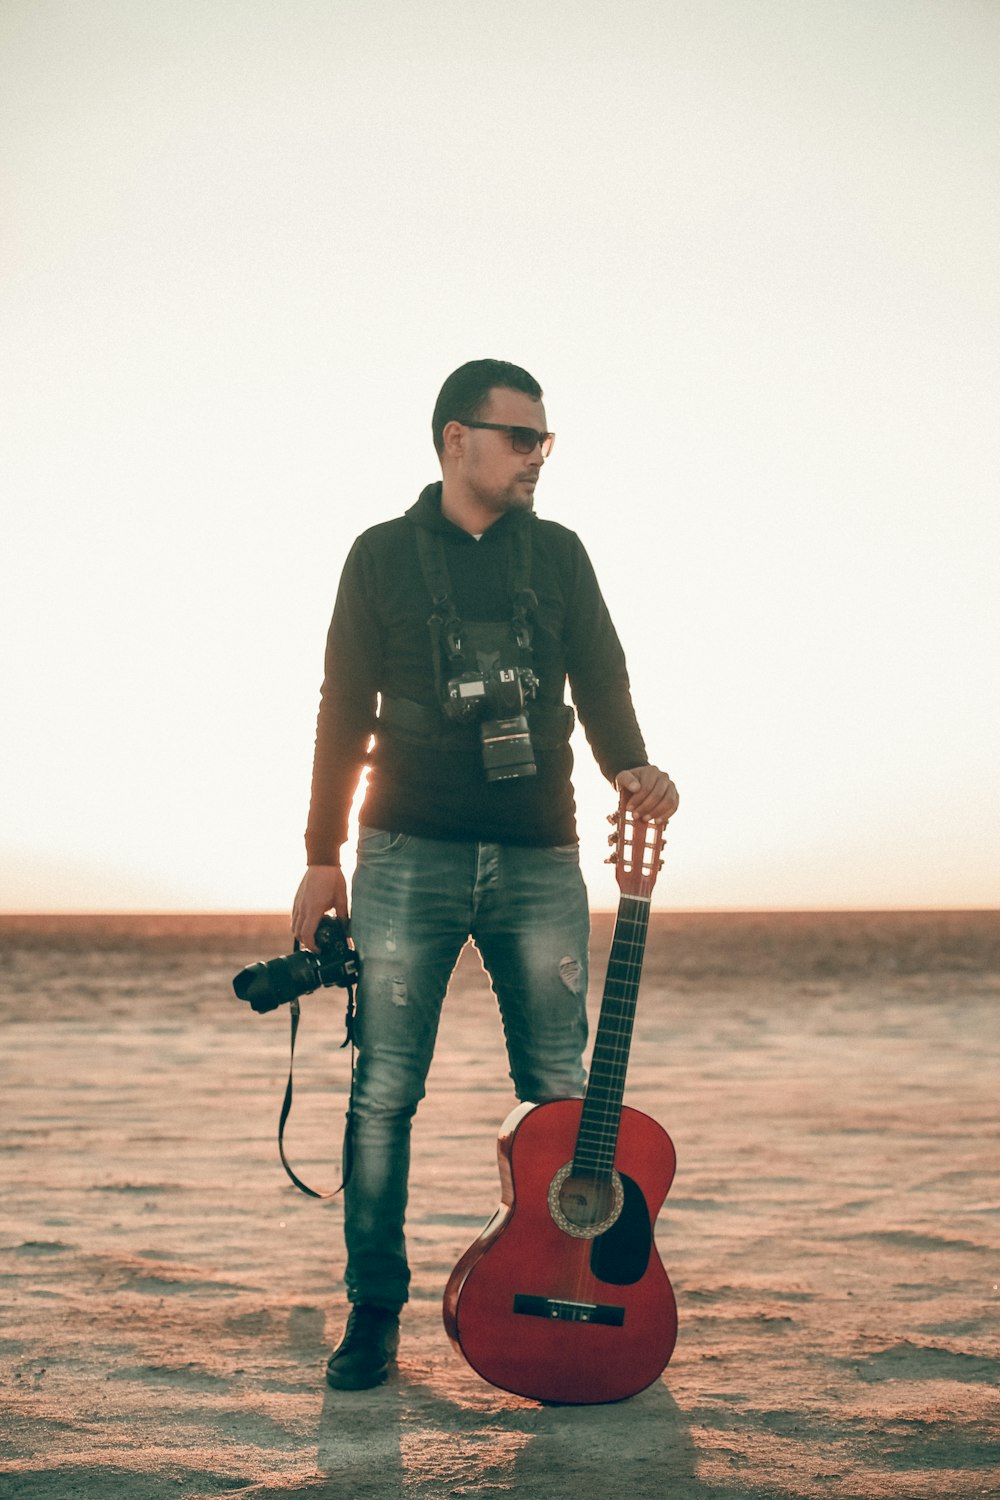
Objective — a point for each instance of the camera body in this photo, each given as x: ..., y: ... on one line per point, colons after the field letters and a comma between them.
x: 500, y: 692
x: 265, y: 986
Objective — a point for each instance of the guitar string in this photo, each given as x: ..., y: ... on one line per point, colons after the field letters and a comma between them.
x: 614, y: 1036
x: 613, y: 1046
x: 613, y: 1042
x: 600, y: 1120
x: 611, y: 1049
x: 599, y: 1132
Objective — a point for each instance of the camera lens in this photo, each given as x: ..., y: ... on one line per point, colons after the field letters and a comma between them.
x: 507, y: 751
x: 279, y: 981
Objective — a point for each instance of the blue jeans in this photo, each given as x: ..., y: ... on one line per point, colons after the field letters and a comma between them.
x: 415, y: 904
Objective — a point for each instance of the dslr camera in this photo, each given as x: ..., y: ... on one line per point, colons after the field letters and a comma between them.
x: 266, y: 986
x: 501, y: 692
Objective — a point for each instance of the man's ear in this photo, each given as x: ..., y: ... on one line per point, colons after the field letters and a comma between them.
x: 453, y: 438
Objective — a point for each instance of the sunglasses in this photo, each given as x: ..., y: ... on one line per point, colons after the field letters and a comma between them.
x: 522, y: 439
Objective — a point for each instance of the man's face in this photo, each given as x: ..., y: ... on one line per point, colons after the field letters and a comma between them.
x: 499, y: 478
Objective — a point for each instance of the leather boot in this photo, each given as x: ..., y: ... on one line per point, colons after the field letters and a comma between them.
x: 367, y: 1349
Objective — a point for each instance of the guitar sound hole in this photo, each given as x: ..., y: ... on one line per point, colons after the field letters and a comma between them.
x: 586, y: 1201
x: 582, y: 1204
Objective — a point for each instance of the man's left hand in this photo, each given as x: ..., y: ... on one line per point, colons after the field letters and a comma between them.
x: 653, y: 795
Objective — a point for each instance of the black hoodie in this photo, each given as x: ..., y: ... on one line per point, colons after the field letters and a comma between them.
x: 379, y: 644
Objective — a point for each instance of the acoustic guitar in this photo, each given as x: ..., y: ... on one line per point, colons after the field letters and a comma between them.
x: 563, y: 1297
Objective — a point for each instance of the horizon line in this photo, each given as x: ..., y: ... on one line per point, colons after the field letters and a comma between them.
x: 280, y: 914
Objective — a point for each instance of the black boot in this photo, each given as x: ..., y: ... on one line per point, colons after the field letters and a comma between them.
x: 368, y: 1348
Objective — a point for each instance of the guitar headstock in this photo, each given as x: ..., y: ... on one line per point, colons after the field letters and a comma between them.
x: 638, y: 851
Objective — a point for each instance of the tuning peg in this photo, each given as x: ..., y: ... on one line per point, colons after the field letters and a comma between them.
x: 612, y: 817
x: 610, y: 860
x: 612, y: 839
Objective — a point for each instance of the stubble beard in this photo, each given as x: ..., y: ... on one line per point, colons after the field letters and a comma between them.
x: 517, y: 496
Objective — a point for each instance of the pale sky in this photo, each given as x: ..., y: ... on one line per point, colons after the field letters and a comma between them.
x: 749, y: 249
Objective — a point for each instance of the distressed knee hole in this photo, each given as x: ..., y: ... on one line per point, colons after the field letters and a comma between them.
x: 569, y: 973
x: 397, y: 993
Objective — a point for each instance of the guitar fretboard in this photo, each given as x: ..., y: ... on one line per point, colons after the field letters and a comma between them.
x: 598, y: 1133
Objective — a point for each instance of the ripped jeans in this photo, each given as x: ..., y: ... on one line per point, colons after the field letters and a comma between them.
x: 415, y: 904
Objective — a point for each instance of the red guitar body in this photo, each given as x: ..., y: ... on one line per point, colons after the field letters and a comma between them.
x: 557, y: 1313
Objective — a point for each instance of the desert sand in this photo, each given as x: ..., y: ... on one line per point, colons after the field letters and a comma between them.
x: 169, y: 1299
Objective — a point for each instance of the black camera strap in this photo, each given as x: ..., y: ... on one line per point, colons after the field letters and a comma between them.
x: 444, y: 625
x: 348, y: 1154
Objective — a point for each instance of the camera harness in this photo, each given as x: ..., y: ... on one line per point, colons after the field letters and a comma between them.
x: 446, y: 629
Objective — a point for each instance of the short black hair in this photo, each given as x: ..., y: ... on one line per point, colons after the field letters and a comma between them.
x: 465, y: 392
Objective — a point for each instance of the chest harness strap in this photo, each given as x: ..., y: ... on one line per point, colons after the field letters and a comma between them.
x: 444, y: 625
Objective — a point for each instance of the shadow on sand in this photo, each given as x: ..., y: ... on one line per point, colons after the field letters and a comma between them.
x: 448, y: 1435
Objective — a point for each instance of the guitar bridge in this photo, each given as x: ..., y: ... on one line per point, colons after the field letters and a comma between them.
x: 569, y: 1312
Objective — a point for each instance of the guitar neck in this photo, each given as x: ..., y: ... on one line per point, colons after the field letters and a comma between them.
x: 598, y: 1133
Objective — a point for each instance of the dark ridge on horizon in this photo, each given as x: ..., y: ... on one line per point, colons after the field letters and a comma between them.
x: 959, y: 946
x: 242, y: 914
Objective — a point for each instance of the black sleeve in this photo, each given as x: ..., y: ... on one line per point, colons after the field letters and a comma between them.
x: 347, y: 708
x: 598, y: 676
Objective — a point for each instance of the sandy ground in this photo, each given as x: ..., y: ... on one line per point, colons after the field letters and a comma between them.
x: 168, y: 1299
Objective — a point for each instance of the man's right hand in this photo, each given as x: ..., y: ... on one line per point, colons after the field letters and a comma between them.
x: 321, y: 889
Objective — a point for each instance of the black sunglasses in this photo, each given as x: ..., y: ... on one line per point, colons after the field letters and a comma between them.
x: 522, y: 439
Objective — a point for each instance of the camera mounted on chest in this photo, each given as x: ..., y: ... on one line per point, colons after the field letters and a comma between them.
x: 483, y: 669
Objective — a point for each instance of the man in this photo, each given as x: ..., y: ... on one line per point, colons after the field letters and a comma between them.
x: 455, y: 629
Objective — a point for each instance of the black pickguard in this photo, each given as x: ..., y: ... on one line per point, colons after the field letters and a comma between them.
x: 620, y: 1255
